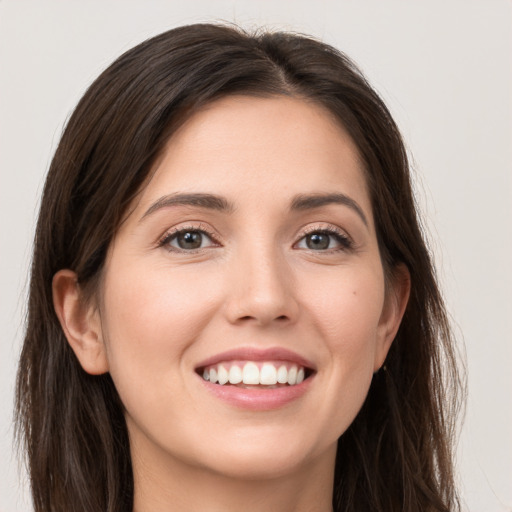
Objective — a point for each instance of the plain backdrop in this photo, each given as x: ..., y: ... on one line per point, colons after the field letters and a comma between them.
x: 445, y: 70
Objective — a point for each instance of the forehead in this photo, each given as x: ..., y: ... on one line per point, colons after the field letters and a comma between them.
x: 272, y: 147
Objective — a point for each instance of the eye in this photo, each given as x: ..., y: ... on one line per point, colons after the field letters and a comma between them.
x: 323, y: 240
x: 187, y: 239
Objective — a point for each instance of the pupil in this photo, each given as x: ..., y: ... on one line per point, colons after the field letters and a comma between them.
x: 318, y: 241
x: 190, y: 240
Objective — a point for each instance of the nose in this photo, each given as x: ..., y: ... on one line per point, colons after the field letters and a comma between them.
x: 261, y: 290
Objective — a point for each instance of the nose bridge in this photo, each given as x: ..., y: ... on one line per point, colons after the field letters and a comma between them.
x: 262, y: 286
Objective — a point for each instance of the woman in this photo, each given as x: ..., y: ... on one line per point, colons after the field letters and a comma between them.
x: 232, y: 306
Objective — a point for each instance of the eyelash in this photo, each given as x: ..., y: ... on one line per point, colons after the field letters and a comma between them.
x: 170, y: 235
x: 345, y: 242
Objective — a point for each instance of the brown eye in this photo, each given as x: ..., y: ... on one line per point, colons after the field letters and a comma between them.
x: 188, y: 240
x: 318, y: 241
x: 325, y: 240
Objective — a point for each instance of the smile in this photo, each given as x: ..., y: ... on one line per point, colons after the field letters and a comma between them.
x: 255, y: 373
x: 257, y: 379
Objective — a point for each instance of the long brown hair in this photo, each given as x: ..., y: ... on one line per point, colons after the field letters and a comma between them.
x: 397, y: 454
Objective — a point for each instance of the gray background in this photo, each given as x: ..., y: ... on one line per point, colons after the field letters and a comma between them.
x: 445, y: 70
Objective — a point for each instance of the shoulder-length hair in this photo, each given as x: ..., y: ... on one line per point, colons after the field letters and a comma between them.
x: 397, y: 453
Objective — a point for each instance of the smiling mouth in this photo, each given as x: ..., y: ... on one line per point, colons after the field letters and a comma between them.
x: 255, y: 374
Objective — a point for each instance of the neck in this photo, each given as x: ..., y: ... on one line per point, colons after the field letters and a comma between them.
x: 170, y: 485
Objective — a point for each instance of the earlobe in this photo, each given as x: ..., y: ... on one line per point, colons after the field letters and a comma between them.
x: 397, y: 297
x: 80, y: 323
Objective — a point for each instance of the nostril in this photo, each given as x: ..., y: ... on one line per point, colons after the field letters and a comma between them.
x: 249, y: 317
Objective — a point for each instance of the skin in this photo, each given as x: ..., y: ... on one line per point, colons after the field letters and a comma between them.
x: 255, y: 283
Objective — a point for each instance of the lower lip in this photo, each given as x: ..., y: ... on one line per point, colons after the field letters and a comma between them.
x: 258, y: 399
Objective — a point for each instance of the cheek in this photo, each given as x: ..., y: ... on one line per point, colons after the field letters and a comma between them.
x: 346, y: 311
x: 347, y: 307
x: 152, y: 316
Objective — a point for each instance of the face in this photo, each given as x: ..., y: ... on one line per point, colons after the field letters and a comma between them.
x: 251, y: 254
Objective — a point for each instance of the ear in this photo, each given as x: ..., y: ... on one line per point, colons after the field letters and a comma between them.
x: 80, y: 322
x: 397, y: 296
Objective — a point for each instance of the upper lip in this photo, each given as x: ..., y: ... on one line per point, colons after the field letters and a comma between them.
x: 257, y: 354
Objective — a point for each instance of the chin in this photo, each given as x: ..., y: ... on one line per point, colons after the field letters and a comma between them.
x: 262, y: 466
x: 262, y: 458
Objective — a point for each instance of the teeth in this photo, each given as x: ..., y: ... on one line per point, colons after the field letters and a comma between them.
x: 222, y: 375
x: 251, y: 373
x: 235, y: 375
x: 268, y: 375
x: 292, y: 376
x: 282, y: 375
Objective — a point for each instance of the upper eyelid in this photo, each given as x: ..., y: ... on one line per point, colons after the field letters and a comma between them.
x: 326, y: 227
x: 334, y: 233
x: 344, y: 238
x: 171, y: 232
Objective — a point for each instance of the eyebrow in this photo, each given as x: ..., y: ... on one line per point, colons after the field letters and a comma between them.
x: 311, y: 201
x: 300, y: 202
x: 208, y: 201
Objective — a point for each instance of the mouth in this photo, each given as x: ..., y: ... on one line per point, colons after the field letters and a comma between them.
x: 249, y: 368
x: 255, y: 379
x: 249, y: 374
